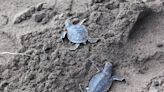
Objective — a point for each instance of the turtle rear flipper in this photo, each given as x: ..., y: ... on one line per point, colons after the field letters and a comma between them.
x: 92, y: 40
x: 74, y: 47
x: 117, y: 78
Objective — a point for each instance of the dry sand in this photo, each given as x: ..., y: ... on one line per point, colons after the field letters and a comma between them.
x: 131, y: 37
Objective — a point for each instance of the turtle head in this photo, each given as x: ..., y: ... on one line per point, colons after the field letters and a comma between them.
x: 68, y: 23
x: 108, y: 68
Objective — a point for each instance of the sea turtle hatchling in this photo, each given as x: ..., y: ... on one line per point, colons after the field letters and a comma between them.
x: 77, y: 33
x: 102, y: 81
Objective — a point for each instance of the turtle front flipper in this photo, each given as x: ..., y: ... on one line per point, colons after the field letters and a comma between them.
x: 74, y: 47
x: 117, y: 78
x: 63, y: 34
x: 97, y: 67
x: 82, y: 89
x: 80, y: 23
x: 92, y: 40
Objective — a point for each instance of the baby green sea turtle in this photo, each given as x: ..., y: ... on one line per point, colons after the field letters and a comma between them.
x: 77, y: 33
x: 102, y: 81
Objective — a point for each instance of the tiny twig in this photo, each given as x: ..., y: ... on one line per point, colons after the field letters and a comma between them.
x: 14, y: 53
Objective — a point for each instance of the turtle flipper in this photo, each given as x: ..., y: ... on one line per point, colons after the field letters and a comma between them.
x: 82, y: 89
x: 80, y: 23
x: 74, y: 47
x: 97, y: 67
x: 117, y: 78
x: 93, y: 40
x: 63, y: 34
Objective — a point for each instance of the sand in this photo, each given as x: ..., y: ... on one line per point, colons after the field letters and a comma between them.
x: 34, y: 59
